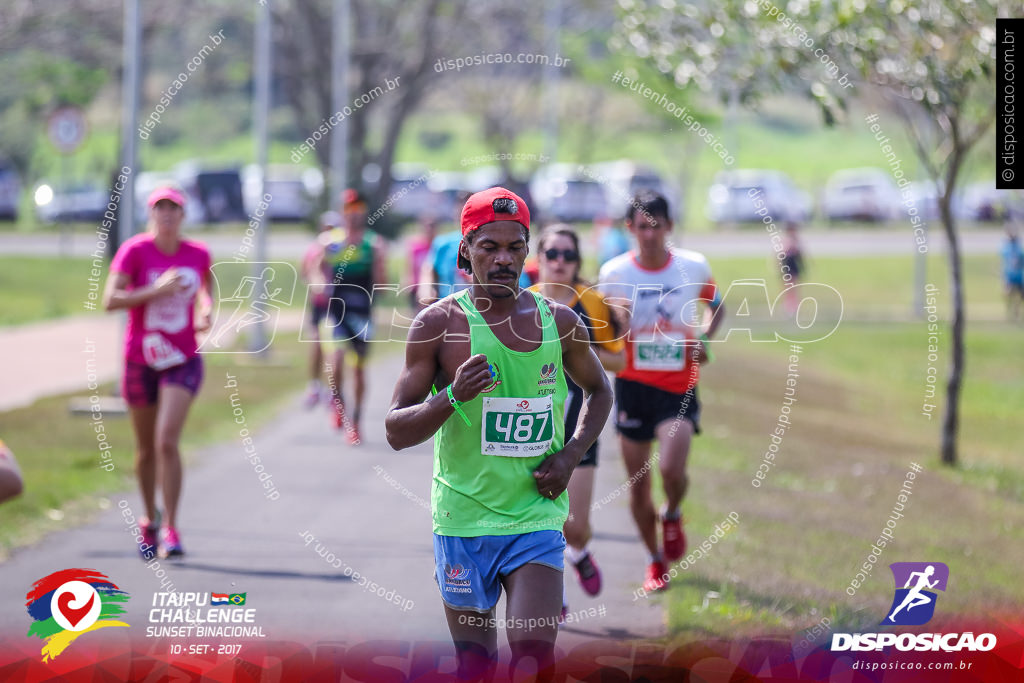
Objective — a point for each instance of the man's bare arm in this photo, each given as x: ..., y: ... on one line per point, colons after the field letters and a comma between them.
x: 411, y: 419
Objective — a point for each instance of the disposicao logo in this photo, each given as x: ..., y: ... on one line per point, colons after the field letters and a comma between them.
x: 913, y: 604
x: 70, y: 603
x: 923, y: 576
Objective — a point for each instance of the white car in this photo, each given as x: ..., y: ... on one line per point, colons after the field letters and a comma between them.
x: 863, y: 194
x: 293, y: 191
x: 731, y: 199
x: 562, y: 193
x: 622, y: 179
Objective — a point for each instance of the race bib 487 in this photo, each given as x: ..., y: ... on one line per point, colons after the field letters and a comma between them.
x: 516, y: 427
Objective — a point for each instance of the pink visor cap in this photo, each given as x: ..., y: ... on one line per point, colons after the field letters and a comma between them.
x: 168, y: 193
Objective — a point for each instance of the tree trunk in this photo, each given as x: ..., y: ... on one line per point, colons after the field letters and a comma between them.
x: 951, y: 418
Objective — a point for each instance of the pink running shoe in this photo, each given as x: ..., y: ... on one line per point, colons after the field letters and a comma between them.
x: 170, y: 544
x: 588, y: 574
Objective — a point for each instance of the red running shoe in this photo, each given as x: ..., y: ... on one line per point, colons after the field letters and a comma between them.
x: 588, y: 574
x: 674, y: 539
x: 657, y: 578
x: 337, y: 413
x: 352, y: 433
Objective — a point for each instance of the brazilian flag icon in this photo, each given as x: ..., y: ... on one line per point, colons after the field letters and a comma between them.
x: 237, y: 598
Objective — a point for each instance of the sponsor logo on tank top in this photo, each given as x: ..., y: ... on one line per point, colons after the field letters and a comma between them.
x: 495, y: 378
x: 548, y: 374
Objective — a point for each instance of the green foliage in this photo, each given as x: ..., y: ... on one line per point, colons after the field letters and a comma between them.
x: 47, y: 81
x: 32, y: 85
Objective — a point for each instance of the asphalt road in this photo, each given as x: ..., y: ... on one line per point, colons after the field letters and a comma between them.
x: 365, y: 508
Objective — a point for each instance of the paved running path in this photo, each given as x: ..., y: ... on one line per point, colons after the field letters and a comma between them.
x: 54, y: 357
x: 64, y: 355
x: 352, y: 501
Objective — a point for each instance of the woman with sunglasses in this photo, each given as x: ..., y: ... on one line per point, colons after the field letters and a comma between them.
x: 559, y: 279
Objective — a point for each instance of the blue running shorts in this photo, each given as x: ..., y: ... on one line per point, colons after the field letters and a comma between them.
x: 469, y: 570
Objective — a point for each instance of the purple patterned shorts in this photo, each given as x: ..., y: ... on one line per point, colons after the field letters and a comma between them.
x: 141, y: 384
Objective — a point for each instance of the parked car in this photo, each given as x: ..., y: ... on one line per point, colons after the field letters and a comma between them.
x: 410, y: 193
x: 622, y: 179
x: 293, y: 191
x: 983, y: 202
x: 80, y: 202
x: 147, y: 181
x: 10, y: 192
x: 731, y: 197
x: 861, y: 194
x: 216, y: 192
x: 561, y: 193
x: 446, y: 185
x: 924, y: 196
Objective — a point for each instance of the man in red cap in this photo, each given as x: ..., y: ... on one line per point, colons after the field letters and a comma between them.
x: 485, y: 371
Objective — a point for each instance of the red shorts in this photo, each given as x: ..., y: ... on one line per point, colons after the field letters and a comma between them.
x: 141, y: 384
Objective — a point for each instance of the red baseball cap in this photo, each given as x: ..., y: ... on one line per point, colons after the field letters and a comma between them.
x: 352, y: 200
x: 168, y: 193
x: 488, y: 206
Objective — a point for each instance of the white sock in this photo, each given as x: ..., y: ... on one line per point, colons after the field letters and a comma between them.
x: 573, y: 554
x: 314, y: 385
x: 656, y: 557
x: 675, y: 514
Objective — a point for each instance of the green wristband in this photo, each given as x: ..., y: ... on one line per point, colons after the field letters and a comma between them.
x: 457, y: 405
x: 707, y: 347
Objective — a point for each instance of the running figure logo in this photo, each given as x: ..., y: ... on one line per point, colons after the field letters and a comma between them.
x: 256, y: 299
x: 914, y: 603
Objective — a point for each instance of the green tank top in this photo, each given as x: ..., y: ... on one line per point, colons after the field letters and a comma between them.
x: 483, y: 473
x: 348, y: 262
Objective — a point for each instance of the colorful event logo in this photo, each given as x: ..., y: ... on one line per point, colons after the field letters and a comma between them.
x: 69, y: 603
x: 914, y: 603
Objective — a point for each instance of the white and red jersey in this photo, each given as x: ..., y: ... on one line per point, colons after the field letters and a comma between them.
x: 665, y: 312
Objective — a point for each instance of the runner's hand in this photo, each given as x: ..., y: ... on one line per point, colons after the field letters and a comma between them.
x: 698, y: 351
x: 552, y: 475
x: 203, y: 321
x: 169, y: 282
x: 471, y: 378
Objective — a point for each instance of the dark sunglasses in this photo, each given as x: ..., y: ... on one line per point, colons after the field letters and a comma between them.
x: 570, y: 255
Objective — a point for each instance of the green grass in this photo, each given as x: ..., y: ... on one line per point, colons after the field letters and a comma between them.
x: 52, y: 287
x: 60, y: 459
x: 40, y: 288
x: 881, y: 287
x: 857, y: 425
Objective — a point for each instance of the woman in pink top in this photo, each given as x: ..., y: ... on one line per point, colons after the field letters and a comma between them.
x: 157, y: 276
